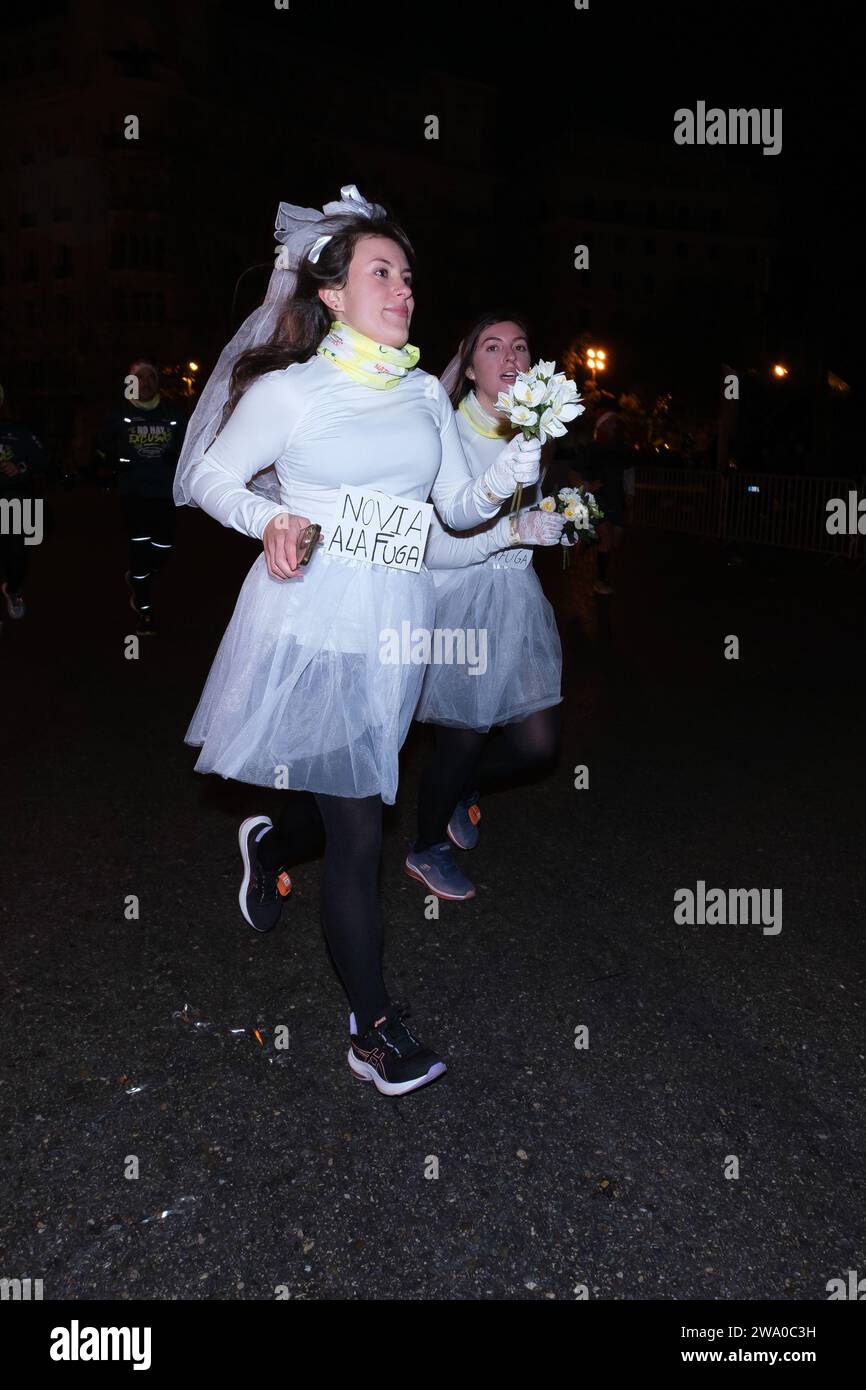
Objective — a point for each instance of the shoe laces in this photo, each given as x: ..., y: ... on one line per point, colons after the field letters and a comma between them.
x: 394, y: 1033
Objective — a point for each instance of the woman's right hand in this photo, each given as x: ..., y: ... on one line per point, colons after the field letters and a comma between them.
x: 518, y: 462
x: 280, y: 542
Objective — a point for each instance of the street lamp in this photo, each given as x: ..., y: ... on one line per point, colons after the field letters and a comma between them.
x: 596, y: 360
x: 779, y: 371
x: 188, y: 381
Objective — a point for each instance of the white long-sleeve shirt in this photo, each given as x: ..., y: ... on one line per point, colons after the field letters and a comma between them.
x: 321, y: 428
x: 481, y: 545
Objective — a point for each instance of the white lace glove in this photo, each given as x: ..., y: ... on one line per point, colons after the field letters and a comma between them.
x: 518, y: 462
x: 540, y: 528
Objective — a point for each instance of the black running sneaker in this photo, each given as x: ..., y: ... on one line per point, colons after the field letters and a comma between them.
x: 392, y: 1057
x: 263, y: 891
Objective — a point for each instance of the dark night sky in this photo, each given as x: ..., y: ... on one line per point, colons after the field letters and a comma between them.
x: 614, y: 69
x: 625, y: 68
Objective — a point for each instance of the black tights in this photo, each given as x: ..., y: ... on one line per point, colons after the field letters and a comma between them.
x: 467, y: 761
x: 352, y: 917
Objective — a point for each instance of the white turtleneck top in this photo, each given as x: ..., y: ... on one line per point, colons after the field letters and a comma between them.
x: 321, y: 428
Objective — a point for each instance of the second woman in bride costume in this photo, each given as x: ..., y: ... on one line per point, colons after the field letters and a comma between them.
x: 486, y: 589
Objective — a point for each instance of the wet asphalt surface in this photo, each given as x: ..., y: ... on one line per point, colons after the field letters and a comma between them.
x: 264, y: 1168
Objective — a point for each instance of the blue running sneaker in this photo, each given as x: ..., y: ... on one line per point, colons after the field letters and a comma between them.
x: 463, y: 825
x: 435, y: 867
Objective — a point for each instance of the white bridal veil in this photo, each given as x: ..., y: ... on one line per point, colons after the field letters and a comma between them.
x: 300, y: 231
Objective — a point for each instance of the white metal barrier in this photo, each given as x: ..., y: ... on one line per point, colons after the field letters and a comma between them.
x: 761, y: 508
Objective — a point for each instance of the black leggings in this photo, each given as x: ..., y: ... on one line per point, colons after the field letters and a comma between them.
x: 351, y: 913
x: 467, y: 761
x: 150, y: 524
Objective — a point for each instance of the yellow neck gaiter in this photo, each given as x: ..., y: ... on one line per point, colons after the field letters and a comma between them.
x: 374, y: 364
x: 481, y: 421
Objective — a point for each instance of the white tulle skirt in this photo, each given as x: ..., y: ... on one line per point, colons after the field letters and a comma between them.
x: 523, y: 652
x: 299, y: 694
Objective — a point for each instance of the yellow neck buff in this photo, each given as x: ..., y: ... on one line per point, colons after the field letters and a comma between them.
x: 374, y: 364
x: 481, y: 421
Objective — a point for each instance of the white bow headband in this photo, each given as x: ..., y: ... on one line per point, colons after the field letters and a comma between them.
x: 292, y: 225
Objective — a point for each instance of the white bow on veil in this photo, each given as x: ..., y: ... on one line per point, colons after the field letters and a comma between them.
x: 300, y: 231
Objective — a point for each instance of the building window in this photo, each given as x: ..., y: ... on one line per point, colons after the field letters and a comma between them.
x: 713, y: 251
x: 682, y: 250
x: 138, y: 306
x: 650, y: 246
x: 684, y: 217
x: 648, y: 282
x: 619, y: 243
x: 132, y: 250
x: 619, y: 210
x: 652, y: 214
x: 63, y: 264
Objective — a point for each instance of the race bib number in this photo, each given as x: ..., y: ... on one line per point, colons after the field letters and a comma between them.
x: 379, y: 528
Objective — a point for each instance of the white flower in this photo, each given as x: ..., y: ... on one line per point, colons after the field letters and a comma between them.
x: 523, y: 417
x: 568, y: 410
x: 529, y: 392
x: 551, y: 424
x: 545, y: 369
x: 570, y: 511
x: 547, y: 504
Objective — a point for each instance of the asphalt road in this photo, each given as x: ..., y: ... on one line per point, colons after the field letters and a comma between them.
x: 560, y: 1168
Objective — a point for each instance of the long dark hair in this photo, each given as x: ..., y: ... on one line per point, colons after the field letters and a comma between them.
x: 464, y: 384
x: 305, y: 320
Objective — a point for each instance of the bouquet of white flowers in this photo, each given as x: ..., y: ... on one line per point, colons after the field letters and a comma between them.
x: 580, y: 509
x: 540, y: 402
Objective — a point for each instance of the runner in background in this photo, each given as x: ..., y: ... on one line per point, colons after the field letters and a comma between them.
x: 142, y: 440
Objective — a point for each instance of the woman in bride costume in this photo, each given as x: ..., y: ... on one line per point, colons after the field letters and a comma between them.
x: 486, y: 586
x: 322, y: 383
